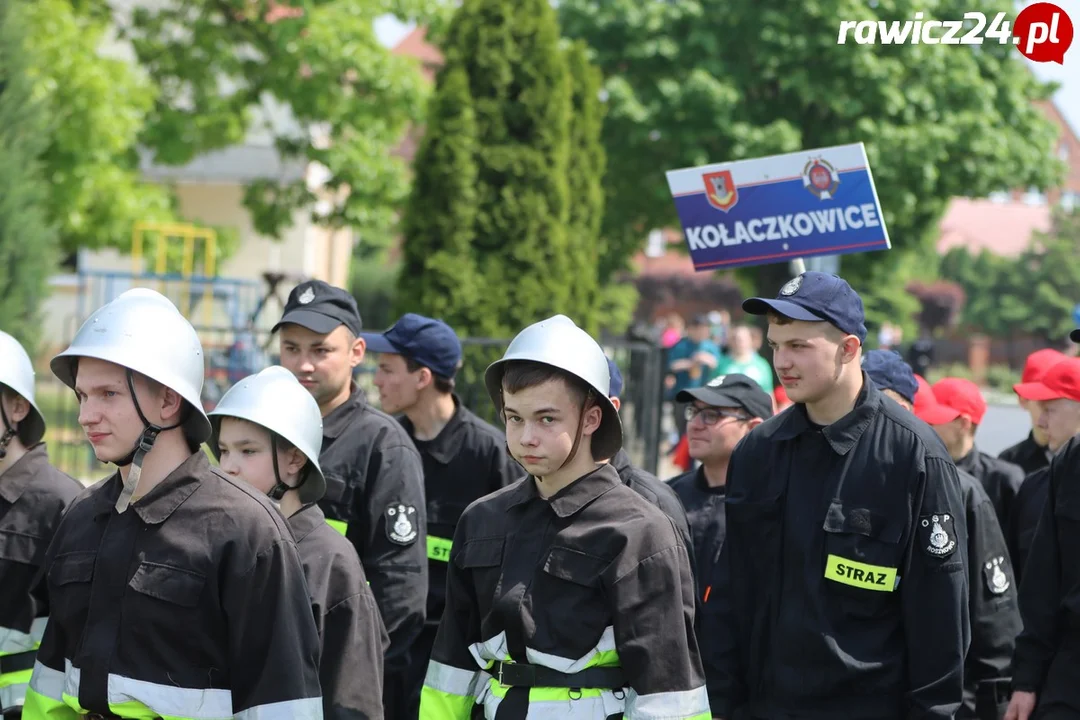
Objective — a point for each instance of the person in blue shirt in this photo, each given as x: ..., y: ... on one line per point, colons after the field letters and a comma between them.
x: 692, y: 361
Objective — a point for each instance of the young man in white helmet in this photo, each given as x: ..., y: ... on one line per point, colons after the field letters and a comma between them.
x: 33, y: 497
x: 568, y: 594
x: 267, y: 431
x: 175, y: 591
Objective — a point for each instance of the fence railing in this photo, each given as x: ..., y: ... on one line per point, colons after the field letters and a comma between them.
x: 232, y: 355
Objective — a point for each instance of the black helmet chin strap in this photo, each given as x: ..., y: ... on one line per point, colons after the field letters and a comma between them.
x: 278, y: 491
x: 139, y: 452
x: 9, y: 432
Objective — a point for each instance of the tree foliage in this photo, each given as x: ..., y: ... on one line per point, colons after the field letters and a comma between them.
x: 705, y: 81
x: 315, y: 75
x: 27, y: 238
x: 1033, y: 294
x: 506, y: 197
x: 97, y: 105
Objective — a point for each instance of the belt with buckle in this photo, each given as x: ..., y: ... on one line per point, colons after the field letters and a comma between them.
x: 527, y: 675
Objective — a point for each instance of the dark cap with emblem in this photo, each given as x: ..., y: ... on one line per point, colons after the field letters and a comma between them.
x: 734, y: 390
x: 429, y: 342
x: 889, y: 372
x: 816, y: 297
x: 1075, y: 335
x: 321, y: 307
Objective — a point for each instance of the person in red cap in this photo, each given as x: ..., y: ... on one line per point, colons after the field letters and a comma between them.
x: 1047, y: 659
x: 1028, y: 504
x: 992, y: 583
x: 1031, y: 452
x: 962, y: 409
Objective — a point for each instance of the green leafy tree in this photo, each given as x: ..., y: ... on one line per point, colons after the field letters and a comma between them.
x: 1033, y: 294
x: 439, y: 274
x: 97, y: 105
x: 27, y: 239
x: 703, y: 81
x: 330, y: 93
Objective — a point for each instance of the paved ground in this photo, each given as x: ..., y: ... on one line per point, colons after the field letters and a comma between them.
x: 1004, y: 425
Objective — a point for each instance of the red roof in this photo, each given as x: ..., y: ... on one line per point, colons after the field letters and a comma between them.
x: 415, y: 45
x: 1003, y: 228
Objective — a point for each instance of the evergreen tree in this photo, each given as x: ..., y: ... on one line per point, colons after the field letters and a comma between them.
x: 533, y: 249
x: 27, y: 241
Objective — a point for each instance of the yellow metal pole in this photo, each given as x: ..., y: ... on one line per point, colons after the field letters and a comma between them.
x: 137, y: 249
x: 188, y: 263
x: 209, y: 271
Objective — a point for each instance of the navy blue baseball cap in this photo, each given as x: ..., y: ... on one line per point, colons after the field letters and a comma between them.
x: 615, y: 386
x: 734, y: 390
x: 430, y: 342
x: 321, y: 307
x: 816, y: 297
x: 889, y: 372
x: 1075, y: 335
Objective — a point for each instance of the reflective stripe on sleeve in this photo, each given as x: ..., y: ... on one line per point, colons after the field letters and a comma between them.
x: 339, y: 525
x: 302, y: 709
x: 684, y: 705
x: 14, y: 641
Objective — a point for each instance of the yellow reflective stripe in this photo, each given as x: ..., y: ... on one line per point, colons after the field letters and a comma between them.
x: 439, y: 705
x: 22, y: 677
x: 41, y: 707
x: 13, y: 688
x: 860, y: 575
x: 340, y: 526
x: 438, y: 548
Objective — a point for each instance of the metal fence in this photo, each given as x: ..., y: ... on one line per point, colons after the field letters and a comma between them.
x: 232, y: 355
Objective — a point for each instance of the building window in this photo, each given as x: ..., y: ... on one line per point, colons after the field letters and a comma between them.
x: 1034, y: 197
x: 1070, y: 199
x: 1063, y: 152
x: 1000, y: 197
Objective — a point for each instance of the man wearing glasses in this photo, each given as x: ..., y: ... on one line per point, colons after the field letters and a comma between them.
x: 718, y: 416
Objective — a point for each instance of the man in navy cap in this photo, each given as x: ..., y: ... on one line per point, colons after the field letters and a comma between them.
x: 374, y: 476
x: 464, y: 457
x: 992, y: 586
x: 841, y: 586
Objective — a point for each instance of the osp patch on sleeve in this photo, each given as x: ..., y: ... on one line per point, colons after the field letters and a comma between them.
x: 401, y: 523
x: 937, y: 534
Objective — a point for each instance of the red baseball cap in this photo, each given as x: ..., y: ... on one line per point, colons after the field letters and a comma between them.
x: 961, y: 395
x: 1060, y: 381
x: 927, y: 408
x: 1038, y: 363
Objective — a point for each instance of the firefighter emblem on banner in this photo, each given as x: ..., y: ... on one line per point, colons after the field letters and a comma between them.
x: 720, y: 190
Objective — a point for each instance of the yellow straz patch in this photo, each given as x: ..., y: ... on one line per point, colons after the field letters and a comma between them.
x: 860, y: 575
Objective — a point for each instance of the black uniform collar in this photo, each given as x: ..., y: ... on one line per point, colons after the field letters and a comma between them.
x: 845, y: 432
x: 305, y: 521
x: 574, y: 496
x: 621, y: 461
x: 18, y: 478
x: 446, y: 445
x: 157, y: 505
x: 339, y: 418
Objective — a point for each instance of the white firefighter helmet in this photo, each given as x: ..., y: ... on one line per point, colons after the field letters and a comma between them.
x: 558, y: 342
x: 274, y: 399
x: 17, y: 373
x: 142, y: 331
